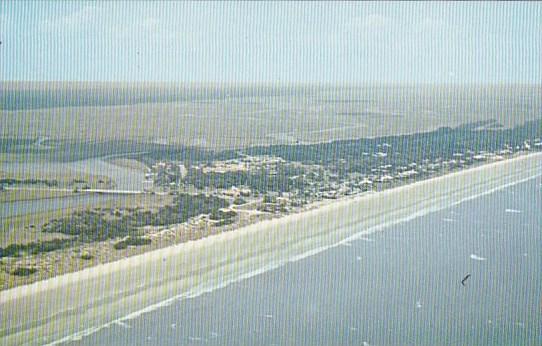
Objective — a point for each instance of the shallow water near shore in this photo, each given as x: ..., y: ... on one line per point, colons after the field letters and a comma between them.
x: 398, y: 286
x: 79, y: 304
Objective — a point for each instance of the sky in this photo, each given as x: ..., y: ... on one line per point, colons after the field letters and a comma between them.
x: 301, y: 42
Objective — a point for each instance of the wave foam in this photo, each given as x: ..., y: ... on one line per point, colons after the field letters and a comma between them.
x: 513, y: 211
x: 477, y: 258
x: 126, y: 289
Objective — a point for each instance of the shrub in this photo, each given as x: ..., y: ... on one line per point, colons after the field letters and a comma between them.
x: 269, y: 199
x: 89, y: 226
x: 131, y: 241
x: 138, y: 241
x: 219, y: 214
x: 120, y: 245
x: 23, y: 271
x: 33, y: 248
x: 224, y: 222
x: 86, y: 256
x: 239, y: 201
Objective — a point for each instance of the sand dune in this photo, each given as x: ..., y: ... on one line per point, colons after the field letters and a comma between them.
x: 68, y: 306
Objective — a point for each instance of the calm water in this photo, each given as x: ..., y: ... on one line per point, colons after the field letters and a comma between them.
x: 124, y: 178
x: 397, y: 287
x: 84, y: 201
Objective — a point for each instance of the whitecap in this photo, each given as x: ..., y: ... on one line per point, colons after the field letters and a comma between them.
x: 358, y: 258
x: 448, y: 220
x: 513, y: 211
x: 477, y: 258
x: 418, y: 304
x: 316, y: 243
x: 122, y: 324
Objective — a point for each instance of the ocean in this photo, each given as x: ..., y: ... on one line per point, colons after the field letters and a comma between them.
x: 399, y: 286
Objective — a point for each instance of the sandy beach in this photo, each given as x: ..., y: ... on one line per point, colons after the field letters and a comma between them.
x: 68, y: 306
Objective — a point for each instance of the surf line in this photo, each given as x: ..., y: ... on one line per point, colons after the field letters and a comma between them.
x: 359, y: 235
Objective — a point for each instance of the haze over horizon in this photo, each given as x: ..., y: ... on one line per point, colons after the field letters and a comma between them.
x: 354, y: 43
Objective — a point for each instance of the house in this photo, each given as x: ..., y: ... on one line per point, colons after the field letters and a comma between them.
x: 408, y: 174
x: 245, y: 192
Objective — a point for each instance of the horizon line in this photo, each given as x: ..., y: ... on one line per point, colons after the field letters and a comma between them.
x: 258, y: 83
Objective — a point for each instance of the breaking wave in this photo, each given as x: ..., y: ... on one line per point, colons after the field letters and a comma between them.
x: 477, y: 258
x: 126, y: 289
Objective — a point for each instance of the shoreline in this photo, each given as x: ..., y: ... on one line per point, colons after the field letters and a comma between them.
x: 268, y: 218
x: 115, y: 290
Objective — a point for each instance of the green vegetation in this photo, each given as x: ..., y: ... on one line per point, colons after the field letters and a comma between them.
x: 23, y: 271
x: 184, y: 207
x: 224, y: 222
x: 331, y: 163
x: 269, y: 199
x: 402, y: 149
x: 259, y: 181
x: 89, y: 226
x: 86, y: 256
x: 220, y: 214
x: 363, y: 156
x: 413, y: 147
x: 131, y: 241
x: 405, y: 149
x: 239, y: 201
x: 34, y: 248
x: 12, y: 181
